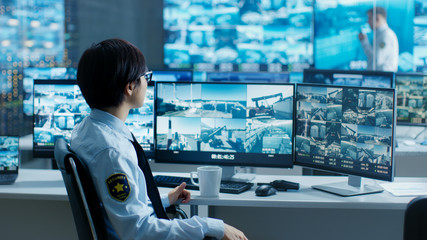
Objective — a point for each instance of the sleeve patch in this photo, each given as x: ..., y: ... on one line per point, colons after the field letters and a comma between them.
x: 118, y: 186
x: 382, y: 44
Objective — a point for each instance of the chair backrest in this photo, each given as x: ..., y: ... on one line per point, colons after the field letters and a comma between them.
x: 415, y: 225
x: 85, y: 205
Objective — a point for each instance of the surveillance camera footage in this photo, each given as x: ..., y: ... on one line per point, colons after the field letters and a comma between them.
x: 411, y: 99
x: 345, y: 129
x: 261, y: 32
x: 9, y: 153
x: 31, y: 74
x: 228, y: 118
x: 57, y: 109
x: 349, y: 78
x: 140, y: 121
x: 59, y: 106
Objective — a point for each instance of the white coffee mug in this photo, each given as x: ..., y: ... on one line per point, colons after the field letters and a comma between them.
x: 209, y: 180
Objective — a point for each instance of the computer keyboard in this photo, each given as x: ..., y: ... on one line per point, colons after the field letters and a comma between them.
x: 226, y: 186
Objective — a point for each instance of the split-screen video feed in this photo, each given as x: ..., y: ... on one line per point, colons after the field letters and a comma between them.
x: 246, y: 118
x: 411, y: 99
x: 57, y: 109
x: 9, y: 153
x: 340, y: 127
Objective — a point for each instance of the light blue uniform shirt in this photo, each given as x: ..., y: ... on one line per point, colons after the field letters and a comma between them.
x: 103, y: 142
x: 385, y: 49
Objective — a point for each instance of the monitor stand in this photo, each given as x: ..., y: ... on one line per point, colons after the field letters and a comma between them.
x: 231, y: 174
x: 352, y: 188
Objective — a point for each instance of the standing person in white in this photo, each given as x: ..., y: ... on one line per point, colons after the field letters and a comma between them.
x: 384, y: 55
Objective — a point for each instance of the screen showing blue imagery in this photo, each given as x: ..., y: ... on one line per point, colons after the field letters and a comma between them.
x: 58, y: 106
x: 420, y: 33
x: 30, y: 74
x: 224, y: 123
x: 172, y: 76
x: 248, y: 77
x: 238, y: 32
x: 140, y: 122
x: 345, y: 129
x: 337, y: 24
x: 411, y: 99
x: 349, y: 78
x: 9, y: 153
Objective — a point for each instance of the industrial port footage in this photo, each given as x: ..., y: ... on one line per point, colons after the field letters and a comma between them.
x: 344, y: 126
x: 225, y: 117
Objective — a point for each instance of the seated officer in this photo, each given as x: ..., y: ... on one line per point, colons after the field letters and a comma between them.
x: 112, y: 78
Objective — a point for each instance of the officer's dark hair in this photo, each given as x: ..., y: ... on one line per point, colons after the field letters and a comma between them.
x: 106, y: 68
x: 379, y: 10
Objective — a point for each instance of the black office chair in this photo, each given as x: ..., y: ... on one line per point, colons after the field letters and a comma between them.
x: 85, y: 205
x: 415, y: 225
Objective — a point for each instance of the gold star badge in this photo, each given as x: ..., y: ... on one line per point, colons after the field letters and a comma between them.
x: 119, y: 187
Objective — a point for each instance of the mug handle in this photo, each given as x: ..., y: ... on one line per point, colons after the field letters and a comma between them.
x: 192, y: 179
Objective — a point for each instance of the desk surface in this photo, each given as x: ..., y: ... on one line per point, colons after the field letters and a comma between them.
x: 34, y: 184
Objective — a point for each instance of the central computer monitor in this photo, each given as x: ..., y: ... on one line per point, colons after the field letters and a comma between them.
x: 411, y: 99
x: 349, y: 78
x: 347, y: 130
x: 59, y: 105
x: 227, y: 124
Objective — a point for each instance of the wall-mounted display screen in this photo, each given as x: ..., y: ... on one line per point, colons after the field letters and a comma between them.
x: 263, y: 34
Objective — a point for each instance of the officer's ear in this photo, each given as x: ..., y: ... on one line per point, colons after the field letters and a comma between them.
x: 130, y: 87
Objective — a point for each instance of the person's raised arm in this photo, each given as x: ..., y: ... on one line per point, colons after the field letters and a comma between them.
x: 367, y: 48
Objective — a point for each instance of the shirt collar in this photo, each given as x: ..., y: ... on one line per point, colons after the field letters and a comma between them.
x: 382, y: 28
x: 111, y: 121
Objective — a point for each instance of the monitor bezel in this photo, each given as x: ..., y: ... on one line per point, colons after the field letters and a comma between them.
x: 389, y: 177
x: 187, y: 157
x: 361, y: 72
x: 406, y: 123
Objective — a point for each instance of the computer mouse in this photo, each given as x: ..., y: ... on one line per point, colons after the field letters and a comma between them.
x: 265, y: 190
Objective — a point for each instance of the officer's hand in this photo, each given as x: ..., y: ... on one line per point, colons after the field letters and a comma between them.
x: 232, y: 233
x: 362, y: 36
x: 179, y: 192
